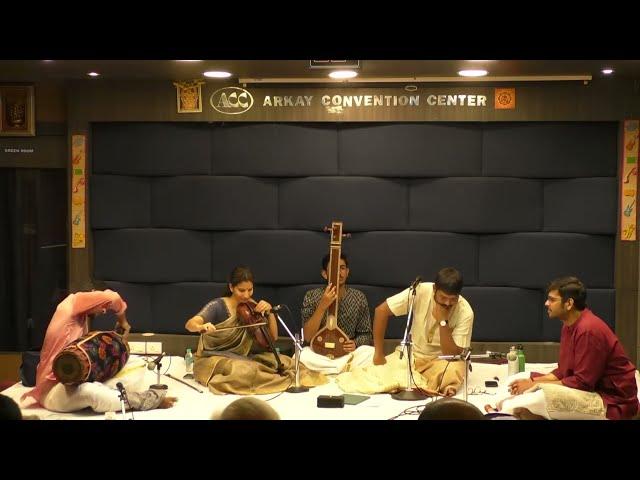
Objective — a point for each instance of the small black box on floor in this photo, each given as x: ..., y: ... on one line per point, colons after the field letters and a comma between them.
x: 330, y: 401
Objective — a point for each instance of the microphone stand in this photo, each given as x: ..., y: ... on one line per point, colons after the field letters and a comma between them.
x: 297, y: 343
x: 466, y: 357
x: 122, y: 406
x: 123, y: 398
x: 409, y: 393
x: 159, y: 386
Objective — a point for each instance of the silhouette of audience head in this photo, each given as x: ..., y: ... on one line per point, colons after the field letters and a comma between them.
x: 451, y: 409
x: 9, y: 409
x: 248, y: 408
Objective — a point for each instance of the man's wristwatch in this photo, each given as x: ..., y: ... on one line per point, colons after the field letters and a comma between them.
x: 444, y: 323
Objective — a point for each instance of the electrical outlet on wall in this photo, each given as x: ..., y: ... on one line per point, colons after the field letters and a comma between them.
x: 154, y: 348
x: 136, y: 347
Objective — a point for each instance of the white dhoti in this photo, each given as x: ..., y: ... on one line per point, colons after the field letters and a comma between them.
x: 557, y: 402
x: 360, y: 357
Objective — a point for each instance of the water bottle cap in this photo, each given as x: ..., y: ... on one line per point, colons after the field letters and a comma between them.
x: 520, y: 347
x: 188, y: 350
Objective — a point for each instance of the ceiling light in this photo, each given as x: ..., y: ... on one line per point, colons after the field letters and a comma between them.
x: 472, y: 73
x: 404, y: 80
x: 93, y: 74
x: 607, y: 71
x: 339, y: 74
x: 217, y: 74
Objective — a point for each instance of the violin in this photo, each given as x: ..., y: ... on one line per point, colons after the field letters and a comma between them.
x: 248, y: 316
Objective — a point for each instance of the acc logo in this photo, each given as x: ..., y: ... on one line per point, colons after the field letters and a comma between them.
x: 231, y: 100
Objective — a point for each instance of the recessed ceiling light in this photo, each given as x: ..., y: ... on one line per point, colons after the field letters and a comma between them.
x: 472, y: 73
x: 217, y: 74
x: 343, y: 74
x: 607, y: 71
x: 93, y: 74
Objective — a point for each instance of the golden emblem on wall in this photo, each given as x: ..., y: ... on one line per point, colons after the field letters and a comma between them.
x: 505, y: 98
x: 189, y: 96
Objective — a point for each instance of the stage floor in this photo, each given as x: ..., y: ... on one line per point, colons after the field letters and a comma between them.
x: 193, y: 405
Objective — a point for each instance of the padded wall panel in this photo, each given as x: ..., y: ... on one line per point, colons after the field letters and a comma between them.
x: 152, y: 255
x: 475, y: 205
x: 532, y: 260
x: 292, y: 296
x: 174, y: 303
x: 550, y: 150
x: 601, y: 301
x: 504, y: 314
x: 274, y: 149
x: 410, y: 150
x: 584, y: 205
x: 377, y: 295
x: 138, y: 298
x: 120, y: 202
x: 394, y: 259
x: 361, y: 203
x: 282, y: 257
x: 152, y: 149
x: 214, y: 203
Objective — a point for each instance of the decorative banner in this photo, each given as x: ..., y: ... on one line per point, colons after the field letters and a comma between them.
x: 189, y: 96
x: 78, y: 196
x: 505, y: 98
x: 629, y: 181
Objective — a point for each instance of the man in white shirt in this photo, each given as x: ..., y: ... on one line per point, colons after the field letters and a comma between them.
x: 442, y: 318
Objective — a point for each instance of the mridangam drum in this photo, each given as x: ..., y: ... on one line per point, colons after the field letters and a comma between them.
x: 95, y: 357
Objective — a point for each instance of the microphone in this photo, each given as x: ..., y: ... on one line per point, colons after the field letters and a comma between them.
x: 121, y: 389
x: 274, y: 309
x: 154, y: 363
x: 496, y: 354
x: 415, y: 283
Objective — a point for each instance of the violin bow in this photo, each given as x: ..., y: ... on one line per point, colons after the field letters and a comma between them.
x: 240, y: 326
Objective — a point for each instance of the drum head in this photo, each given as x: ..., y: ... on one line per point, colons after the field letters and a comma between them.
x: 68, y: 368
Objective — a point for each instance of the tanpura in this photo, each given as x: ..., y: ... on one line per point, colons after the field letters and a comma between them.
x: 329, y: 340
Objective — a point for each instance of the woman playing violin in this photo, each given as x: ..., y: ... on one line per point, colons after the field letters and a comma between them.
x: 217, y: 316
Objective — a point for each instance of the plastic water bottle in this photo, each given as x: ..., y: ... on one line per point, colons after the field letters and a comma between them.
x: 188, y: 364
x: 521, y: 362
x: 512, y: 359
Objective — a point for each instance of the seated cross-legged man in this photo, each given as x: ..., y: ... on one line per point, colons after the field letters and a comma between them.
x: 594, y: 380
x: 353, y: 319
x: 69, y: 323
x: 441, y: 325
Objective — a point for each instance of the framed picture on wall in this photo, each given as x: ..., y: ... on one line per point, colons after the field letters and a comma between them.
x: 189, y: 96
x: 17, y: 111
